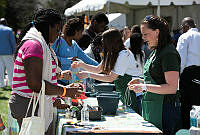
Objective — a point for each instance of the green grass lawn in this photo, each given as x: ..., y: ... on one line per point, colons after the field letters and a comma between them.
x: 4, y: 97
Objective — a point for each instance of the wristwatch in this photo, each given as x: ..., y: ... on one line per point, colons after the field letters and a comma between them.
x: 144, y: 88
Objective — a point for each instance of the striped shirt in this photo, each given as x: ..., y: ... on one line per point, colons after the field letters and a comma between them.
x: 30, y: 48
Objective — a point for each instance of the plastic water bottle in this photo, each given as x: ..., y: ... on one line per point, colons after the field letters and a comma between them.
x: 68, y: 114
x: 68, y: 101
x: 198, y: 119
x: 85, y: 114
x: 193, y: 118
x: 74, y: 78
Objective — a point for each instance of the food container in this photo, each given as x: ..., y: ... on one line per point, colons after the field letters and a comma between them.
x: 108, y: 101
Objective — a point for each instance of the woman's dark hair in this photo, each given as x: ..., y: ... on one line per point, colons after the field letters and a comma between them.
x: 72, y: 25
x: 42, y: 19
x: 136, y: 43
x: 112, y: 45
x: 155, y: 22
x: 135, y: 29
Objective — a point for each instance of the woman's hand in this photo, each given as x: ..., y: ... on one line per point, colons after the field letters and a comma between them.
x: 75, y: 64
x: 76, y: 85
x: 136, y: 81
x: 74, y: 59
x: 66, y: 75
x: 82, y: 74
x: 136, y: 84
x: 137, y: 88
x: 57, y: 104
x: 74, y: 91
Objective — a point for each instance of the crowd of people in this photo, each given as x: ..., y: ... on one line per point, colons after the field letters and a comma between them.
x: 144, y: 61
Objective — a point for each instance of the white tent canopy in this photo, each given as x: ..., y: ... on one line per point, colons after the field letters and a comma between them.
x: 117, y: 20
x: 95, y: 5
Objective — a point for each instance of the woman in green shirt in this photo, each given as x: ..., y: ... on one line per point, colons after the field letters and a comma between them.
x: 161, y: 73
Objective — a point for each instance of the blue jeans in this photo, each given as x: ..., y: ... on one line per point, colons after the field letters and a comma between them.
x: 171, y: 118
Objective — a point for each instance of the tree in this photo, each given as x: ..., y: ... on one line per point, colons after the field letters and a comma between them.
x: 19, y: 12
x: 2, y: 8
x: 61, y: 5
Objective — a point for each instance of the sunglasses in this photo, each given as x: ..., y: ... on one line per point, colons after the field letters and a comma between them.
x: 148, y: 18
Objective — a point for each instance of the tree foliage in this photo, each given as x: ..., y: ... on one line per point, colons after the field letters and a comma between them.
x: 61, y: 5
x: 2, y: 8
x: 18, y: 12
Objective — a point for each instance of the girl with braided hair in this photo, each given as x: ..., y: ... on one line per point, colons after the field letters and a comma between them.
x: 66, y: 48
x: 35, y: 62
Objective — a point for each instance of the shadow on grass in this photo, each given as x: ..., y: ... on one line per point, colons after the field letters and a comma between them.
x: 6, y: 89
x: 4, y: 98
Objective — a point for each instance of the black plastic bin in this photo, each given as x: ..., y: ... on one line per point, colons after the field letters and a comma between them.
x: 104, y: 87
x: 108, y: 101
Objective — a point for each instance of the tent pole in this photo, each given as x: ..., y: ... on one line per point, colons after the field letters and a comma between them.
x: 108, y: 7
x: 158, y: 9
x: 88, y: 18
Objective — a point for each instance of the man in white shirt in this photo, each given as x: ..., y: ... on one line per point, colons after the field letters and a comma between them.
x: 188, y: 47
x: 188, y: 44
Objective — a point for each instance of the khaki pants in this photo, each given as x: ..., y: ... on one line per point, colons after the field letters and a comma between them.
x: 6, y: 62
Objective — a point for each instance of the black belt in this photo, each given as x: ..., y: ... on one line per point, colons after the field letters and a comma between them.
x: 172, y: 98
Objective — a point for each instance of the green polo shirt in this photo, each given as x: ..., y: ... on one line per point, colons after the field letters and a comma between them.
x: 166, y: 59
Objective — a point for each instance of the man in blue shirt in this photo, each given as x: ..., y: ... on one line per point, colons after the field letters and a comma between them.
x: 7, y: 47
